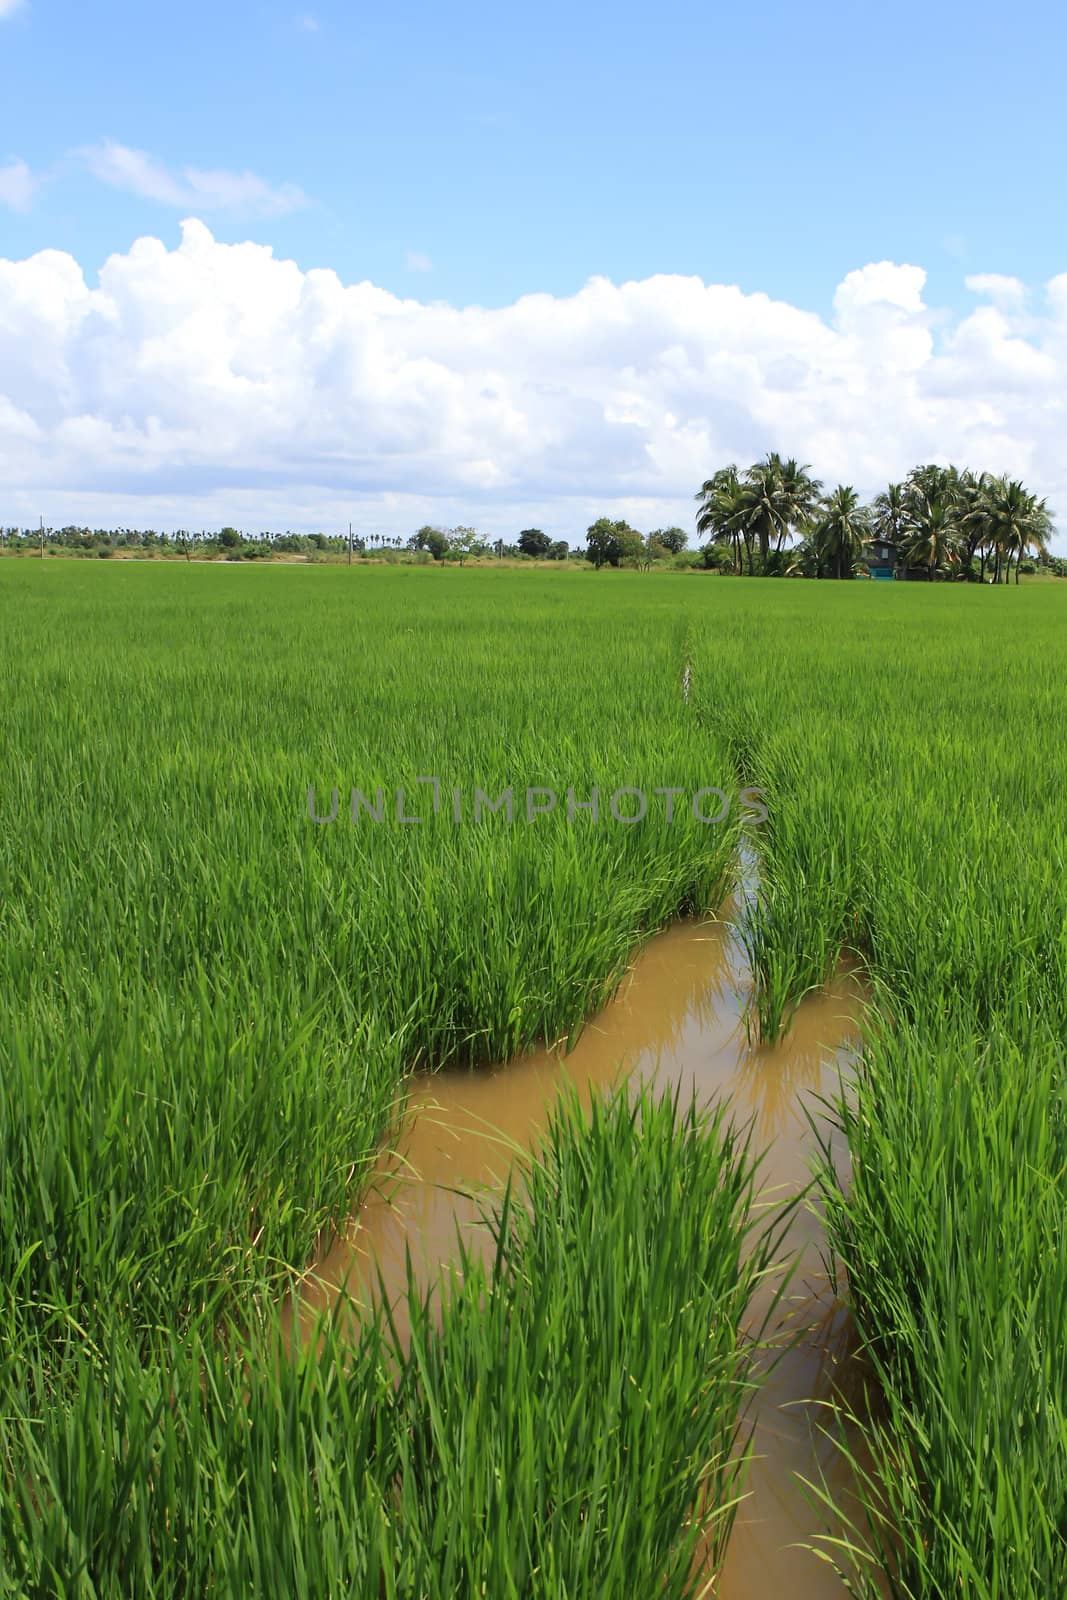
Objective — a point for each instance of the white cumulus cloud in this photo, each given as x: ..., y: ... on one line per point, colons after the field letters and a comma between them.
x: 193, y: 188
x: 998, y: 287
x: 211, y: 383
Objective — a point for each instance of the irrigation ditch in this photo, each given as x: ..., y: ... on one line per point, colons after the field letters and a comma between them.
x: 680, y: 1020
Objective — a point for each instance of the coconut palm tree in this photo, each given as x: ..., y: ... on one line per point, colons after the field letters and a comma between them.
x: 931, y: 540
x: 971, y: 519
x: 932, y: 482
x: 722, y: 511
x: 1018, y: 522
x: 801, y: 498
x: 934, y: 503
x: 780, y: 496
x: 839, y: 533
x: 803, y: 560
x: 889, y: 516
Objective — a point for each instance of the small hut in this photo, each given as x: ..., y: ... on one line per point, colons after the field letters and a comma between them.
x: 882, y: 557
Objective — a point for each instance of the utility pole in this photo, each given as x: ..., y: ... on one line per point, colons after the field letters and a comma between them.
x: 349, y: 544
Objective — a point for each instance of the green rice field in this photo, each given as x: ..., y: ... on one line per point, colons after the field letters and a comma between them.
x: 211, y: 1005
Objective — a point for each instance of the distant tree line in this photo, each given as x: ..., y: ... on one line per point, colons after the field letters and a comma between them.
x: 225, y: 543
x: 428, y: 543
x: 773, y: 519
x: 446, y: 544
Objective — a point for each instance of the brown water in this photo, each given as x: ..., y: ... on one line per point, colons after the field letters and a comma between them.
x: 677, y: 1019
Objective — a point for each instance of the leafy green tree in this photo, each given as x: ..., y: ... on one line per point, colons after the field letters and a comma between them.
x: 600, y: 544
x: 611, y: 543
x: 532, y: 542
x: 465, y: 542
x: 631, y: 546
x: 559, y: 550
x: 230, y: 539
x: 673, y: 540
x: 435, y: 540
x: 651, y: 551
x: 717, y: 557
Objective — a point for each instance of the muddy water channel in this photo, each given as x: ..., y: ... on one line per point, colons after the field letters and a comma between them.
x: 677, y: 1019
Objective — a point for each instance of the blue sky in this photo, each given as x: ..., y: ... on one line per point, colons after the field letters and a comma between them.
x: 889, y: 177
x: 521, y: 149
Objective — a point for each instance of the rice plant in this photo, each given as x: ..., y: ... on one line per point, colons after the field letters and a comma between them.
x: 576, y: 1410
x: 567, y: 1423
x: 212, y: 1004
x: 915, y: 792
